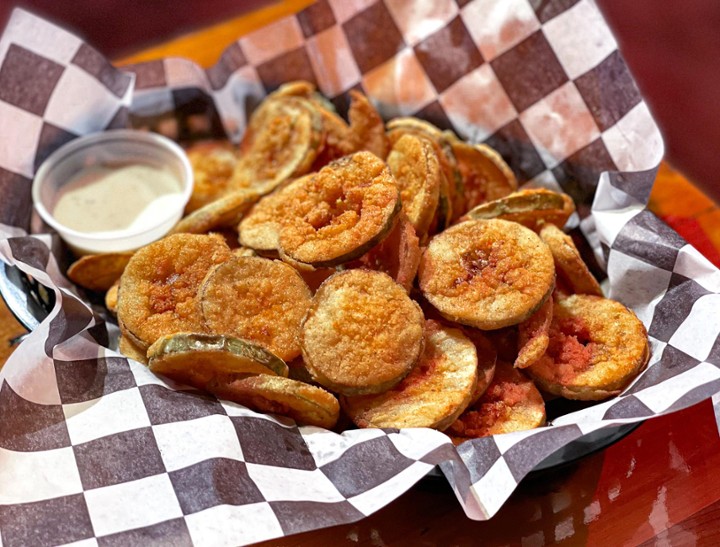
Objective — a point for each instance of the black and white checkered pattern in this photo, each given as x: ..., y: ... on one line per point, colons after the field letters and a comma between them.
x: 95, y: 447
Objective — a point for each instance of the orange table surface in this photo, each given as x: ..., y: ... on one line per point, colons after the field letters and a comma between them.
x: 658, y: 485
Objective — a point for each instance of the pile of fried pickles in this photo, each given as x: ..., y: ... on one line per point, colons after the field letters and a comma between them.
x: 360, y: 273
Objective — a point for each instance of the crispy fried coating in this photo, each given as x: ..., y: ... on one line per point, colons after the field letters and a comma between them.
x: 129, y: 349
x: 416, y: 168
x: 256, y: 299
x: 452, y: 184
x: 260, y: 227
x: 197, y: 359
x: 341, y: 212
x: 568, y: 263
x: 223, y: 212
x: 111, y: 297
x: 367, y: 129
x: 533, y: 207
x: 485, y: 174
x: 398, y: 255
x: 435, y: 392
x: 213, y: 163
x: 487, y: 358
x: 159, y: 286
x: 511, y: 403
x: 597, y: 346
x: 283, y: 139
x: 362, y: 333
x: 534, y: 335
x: 98, y: 272
x: 487, y: 273
x: 306, y: 404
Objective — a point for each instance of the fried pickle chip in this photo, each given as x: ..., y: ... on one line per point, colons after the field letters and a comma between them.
x: 533, y: 208
x: 416, y: 168
x: 244, y: 251
x: 111, y: 297
x: 362, y: 333
x: 159, y: 286
x: 487, y: 273
x: 597, y: 346
x: 367, y: 129
x: 487, y: 357
x: 341, y: 212
x: 224, y: 211
x: 444, y: 213
x: 306, y: 404
x: 296, y: 88
x: 398, y: 255
x: 256, y: 299
x: 213, y: 163
x: 434, y: 394
x: 534, y: 335
x: 196, y: 359
x: 129, y: 349
x: 260, y: 227
x: 335, y: 130
x: 485, y: 174
x: 98, y: 272
x: 453, y: 186
x: 568, y: 263
x: 283, y: 139
x: 511, y: 403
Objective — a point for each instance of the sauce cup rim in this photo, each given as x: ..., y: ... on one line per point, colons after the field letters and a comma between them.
x: 98, y: 139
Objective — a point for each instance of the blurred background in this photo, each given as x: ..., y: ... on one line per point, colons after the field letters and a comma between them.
x: 672, y: 48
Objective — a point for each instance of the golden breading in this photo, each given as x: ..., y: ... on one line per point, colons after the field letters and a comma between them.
x: 534, y: 335
x: 196, y: 359
x: 534, y: 208
x: 367, y: 129
x: 306, y: 404
x: 111, y: 297
x: 260, y: 227
x: 224, y: 211
x: 282, y: 140
x: 362, y: 333
x: 335, y: 130
x: 213, y: 163
x: 159, y: 286
x: 416, y: 168
x: 98, y: 272
x: 597, y: 346
x: 129, y: 349
x: 256, y: 299
x: 570, y: 266
x: 487, y: 273
x: 398, y: 255
x: 435, y: 392
x: 487, y: 357
x: 485, y: 174
x: 453, y: 185
x: 511, y: 403
x: 341, y: 212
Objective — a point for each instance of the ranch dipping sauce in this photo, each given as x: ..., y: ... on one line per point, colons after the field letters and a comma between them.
x: 119, y: 198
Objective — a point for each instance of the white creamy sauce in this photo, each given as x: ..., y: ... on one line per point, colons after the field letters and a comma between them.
x: 108, y: 199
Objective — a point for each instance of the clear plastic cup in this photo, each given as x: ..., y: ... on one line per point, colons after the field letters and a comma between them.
x: 111, y: 149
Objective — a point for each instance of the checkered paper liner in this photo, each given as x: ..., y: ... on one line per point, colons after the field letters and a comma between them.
x: 95, y: 449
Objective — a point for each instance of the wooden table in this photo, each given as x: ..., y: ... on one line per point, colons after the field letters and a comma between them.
x: 659, y: 485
